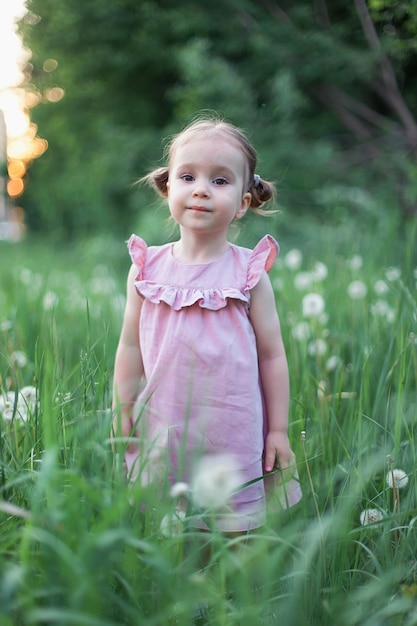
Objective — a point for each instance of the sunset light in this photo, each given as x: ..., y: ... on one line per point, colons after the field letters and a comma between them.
x: 19, y: 144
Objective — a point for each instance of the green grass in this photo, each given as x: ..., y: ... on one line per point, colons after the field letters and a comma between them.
x: 73, y: 551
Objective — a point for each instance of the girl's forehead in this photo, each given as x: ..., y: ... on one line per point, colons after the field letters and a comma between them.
x: 214, y: 147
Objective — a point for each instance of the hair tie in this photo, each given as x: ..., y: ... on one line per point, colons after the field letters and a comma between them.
x: 256, y: 180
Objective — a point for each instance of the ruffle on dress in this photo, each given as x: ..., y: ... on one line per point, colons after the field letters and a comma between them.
x: 261, y: 258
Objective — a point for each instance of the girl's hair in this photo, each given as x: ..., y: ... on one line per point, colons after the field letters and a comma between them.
x: 261, y: 190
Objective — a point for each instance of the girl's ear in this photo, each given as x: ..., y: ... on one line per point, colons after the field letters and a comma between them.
x: 245, y: 204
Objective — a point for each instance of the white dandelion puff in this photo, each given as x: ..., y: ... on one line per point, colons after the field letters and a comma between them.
x: 318, y: 347
x: 293, y: 259
x: 313, y: 305
x: 172, y: 524
x: 371, y: 516
x: 357, y: 290
x: 333, y: 363
x: 397, y: 478
x: 49, y: 301
x: 303, y: 281
x: 301, y: 331
x: 22, y: 406
x: 179, y: 489
x: 216, y: 479
x: 392, y: 274
x: 6, y: 325
x: 381, y: 287
x: 355, y: 263
x: 18, y: 358
x: 319, y: 271
x: 380, y: 308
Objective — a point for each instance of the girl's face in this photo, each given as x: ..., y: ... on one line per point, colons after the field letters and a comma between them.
x: 207, y: 182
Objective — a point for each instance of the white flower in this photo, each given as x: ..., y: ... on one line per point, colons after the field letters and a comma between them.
x: 397, y: 478
x: 6, y: 325
x: 333, y: 363
x: 301, y: 331
x: 18, y: 358
x: 371, y: 516
x: 319, y: 271
x: 50, y: 300
x: 393, y: 273
x: 179, y: 489
x: 313, y: 305
x: 321, y: 389
x: 381, y: 288
x: 293, y: 259
x: 380, y: 308
x: 303, y: 281
x: 216, y: 479
x: 24, y: 407
x: 355, y: 263
x: 318, y: 347
x: 172, y: 524
x: 357, y: 290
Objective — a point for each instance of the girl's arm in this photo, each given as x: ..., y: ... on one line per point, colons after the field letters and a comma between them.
x: 274, y: 374
x: 128, y: 368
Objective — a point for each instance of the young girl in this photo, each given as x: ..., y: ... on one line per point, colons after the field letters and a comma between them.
x: 200, y: 367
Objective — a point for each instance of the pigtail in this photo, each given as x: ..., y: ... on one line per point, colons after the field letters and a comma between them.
x: 157, y: 179
x: 262, y: 191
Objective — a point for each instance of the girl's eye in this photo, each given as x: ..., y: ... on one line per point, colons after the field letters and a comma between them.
x: 187, y: 177
x: 220, y: 181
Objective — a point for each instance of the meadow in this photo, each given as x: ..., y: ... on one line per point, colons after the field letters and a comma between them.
x: 75, y: 550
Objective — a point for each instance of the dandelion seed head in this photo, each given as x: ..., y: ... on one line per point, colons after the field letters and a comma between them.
x: 319, y: 271
x: 313, y: 305
x: 321, y: 389
x: 49, y: 301
x: 357, y: 290
x: 172, y: 524
x: 381, y: 288
x: 355, y: 263
x: 18, y: 358
x: 380, y: 308
x: 179, y: 489
x: 21, y: 407
x: 216, y: 479
x: 392, y: 274
x: 397, y: 478
x: 333, y: 363
x: 301, y: 331
x: 293, y: 259
x: 318, y: 347
x: 6, y: 325
x: 303, y: 281
x: 371, y: 516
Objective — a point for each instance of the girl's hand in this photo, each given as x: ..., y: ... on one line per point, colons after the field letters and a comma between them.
x: 126, y: 426
x: 278, y: 453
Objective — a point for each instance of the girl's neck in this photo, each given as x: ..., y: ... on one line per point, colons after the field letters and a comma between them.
x: 194, y: 249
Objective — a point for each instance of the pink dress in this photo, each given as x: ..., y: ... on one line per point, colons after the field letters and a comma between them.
x: 202, y: 393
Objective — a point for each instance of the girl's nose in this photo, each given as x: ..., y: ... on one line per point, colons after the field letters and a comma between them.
x: 201, y: 188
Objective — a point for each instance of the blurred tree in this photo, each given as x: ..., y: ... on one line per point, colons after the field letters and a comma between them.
x: 325, y: 89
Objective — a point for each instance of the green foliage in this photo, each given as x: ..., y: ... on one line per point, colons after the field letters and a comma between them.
x: 298, y: 76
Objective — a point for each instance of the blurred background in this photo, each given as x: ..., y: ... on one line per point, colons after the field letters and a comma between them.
x: 326, y: 91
